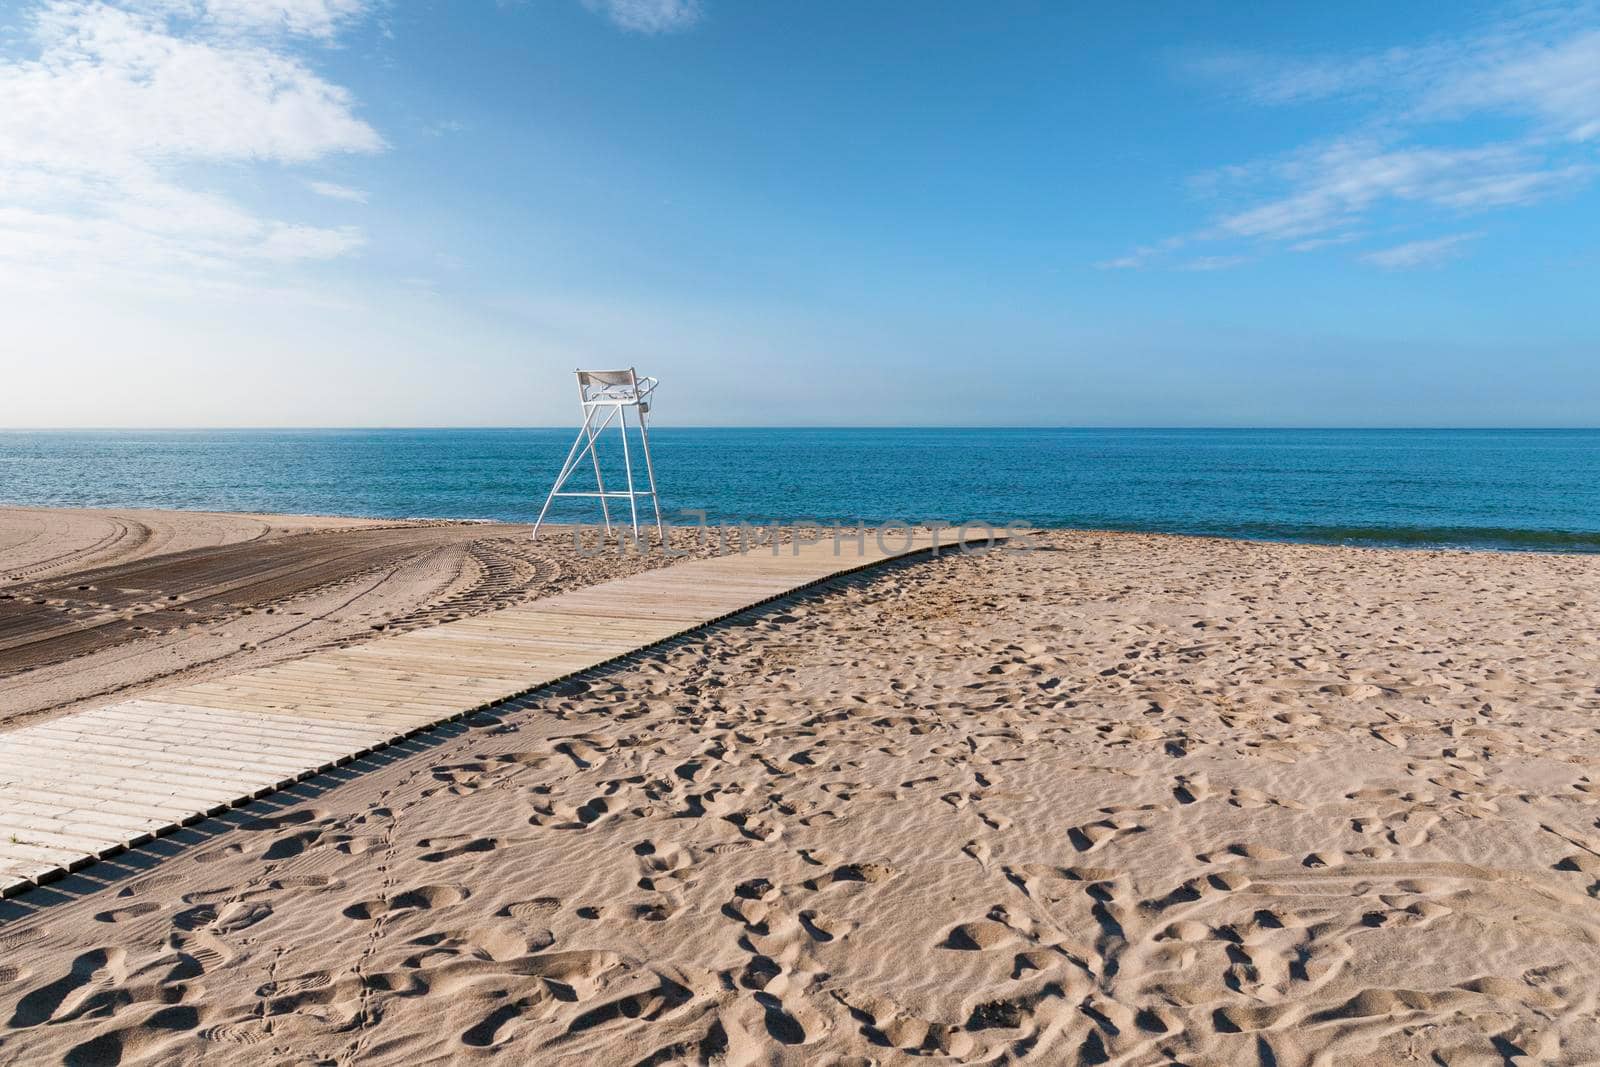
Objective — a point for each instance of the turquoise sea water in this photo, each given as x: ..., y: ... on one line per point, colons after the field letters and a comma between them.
x: 1520, y: 489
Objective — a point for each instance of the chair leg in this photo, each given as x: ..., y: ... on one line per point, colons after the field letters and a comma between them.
x: 600, y: 482
x: 566, y: 472
x: 650, y: 470
x: 627, y: 464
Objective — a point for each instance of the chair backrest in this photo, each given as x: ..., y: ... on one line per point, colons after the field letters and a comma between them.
x: 593, y: 384
x: 608, y: 377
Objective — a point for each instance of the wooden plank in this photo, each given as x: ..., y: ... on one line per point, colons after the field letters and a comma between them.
x: 532, y: 632
x: 397, y: 724
x: 307, y: 704
x: 185, y: 764
x: 477, y: 652
x: 65, y: 796
x: 15, y: 846
x: 441, y: 666
x: 573, y: 624
x: 81, y: 841
x: 373, y: 689
x: 241, y: 722
x: 49, y: 816
x: 189, y: 750
x: 516, y: 631
x: 251, y: 686
x: 386, y: 677
x: 109, y: 757
x: 183, y: 739
x: 19, y: 874
x: 74, y: 784
x: 380, y: 679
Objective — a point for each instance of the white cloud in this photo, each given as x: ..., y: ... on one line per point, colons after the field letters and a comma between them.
x: 307, y: 18
x: 1541, y: 63
x: 1335, y: 185
x: 1420, y: 253
x: 286, y: 242
x: 121, y: 101
x: 1555, y: 82
x: 334, y: 191
x: 1423, y: 147
x: 648, y: 16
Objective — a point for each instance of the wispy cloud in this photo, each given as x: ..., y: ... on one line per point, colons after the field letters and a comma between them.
x: 648, y: 16
x: 1143, y: 255
x: 1210, y: 263
x: 1417, y: 151
x: 1420, y: 253
x: 1339, y: 184
x: 334, y: 191
x: 119, y: 102
x: 1316, y: 243
x: 1555, y: 82
x: 1540, y: 63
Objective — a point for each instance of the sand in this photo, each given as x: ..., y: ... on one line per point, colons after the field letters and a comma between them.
x: 1125, y: 799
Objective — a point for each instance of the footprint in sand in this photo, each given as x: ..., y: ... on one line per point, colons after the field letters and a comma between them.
x: 502, y: 1025
x: 850, y: 873
x: 292, y: 987
x: 823, y: 929
x: 980, y: 936
x: 239, y: 916
x: 537, y: 908
x: 225, y: 852
x: 759, y: 972
x: 423, y: 898
x: 298, y: 817
x: 663, y: 867
x: 756, y: 827
x: 139, y: 1041
x: 291, y: 844
x: 132, y: 911
x: 51, y: 1001
x: 449, y: 848
x: 247, y: 1031
x: 1096, y: 835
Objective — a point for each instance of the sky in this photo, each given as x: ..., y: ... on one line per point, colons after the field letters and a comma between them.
x: 394, y: 213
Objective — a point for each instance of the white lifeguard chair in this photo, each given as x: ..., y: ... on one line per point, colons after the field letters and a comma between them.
x: 617, y: 391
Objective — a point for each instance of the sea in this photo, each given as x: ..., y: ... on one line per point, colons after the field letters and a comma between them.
x: 1530, y: 490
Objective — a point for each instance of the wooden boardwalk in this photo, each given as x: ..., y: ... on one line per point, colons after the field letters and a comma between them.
x: 88, y: 785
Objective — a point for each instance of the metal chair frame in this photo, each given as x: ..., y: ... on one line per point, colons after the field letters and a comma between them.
x: 618, y: 392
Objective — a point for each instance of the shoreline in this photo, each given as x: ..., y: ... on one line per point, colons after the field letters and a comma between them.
x: 1501, y: 540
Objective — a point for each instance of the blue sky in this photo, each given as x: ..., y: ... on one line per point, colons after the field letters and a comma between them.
x: 350, y: 212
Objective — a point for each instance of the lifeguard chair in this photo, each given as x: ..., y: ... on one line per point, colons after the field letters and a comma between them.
x: 616, y: 392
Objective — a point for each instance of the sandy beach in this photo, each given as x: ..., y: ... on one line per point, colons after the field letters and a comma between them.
x: 1122, y: 798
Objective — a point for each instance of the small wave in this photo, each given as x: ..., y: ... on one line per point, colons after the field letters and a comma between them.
x: 1423, y: 537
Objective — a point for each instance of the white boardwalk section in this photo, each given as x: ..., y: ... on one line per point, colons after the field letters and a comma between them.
x: 91, y: 784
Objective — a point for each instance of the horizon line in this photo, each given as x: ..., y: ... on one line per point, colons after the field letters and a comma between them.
x: 1196, y: 427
